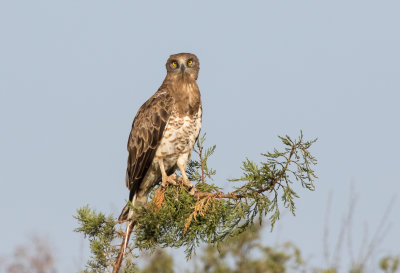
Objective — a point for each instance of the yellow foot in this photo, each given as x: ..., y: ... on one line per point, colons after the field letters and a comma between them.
x: 168, y: 180
x: 187, y: 183
x: 192, y: 191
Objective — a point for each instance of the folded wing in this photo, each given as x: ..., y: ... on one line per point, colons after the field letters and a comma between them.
x: 147, y: 131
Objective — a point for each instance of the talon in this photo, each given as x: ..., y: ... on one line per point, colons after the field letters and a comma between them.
x: 187, y: 183
x: 192, y: 190
x: 168, y: 180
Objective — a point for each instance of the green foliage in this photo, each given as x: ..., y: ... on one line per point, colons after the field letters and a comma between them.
x: 390, y: 264
x: 160, y: 262
x: 244, y: 253
x: 218, y: 218
x: 174, y: 218
x: 243, y: 250
x: 100, y: 230
x: 198, y: 170
x: 165, y: 227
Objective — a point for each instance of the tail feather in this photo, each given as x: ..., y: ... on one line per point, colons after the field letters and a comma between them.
x: 128, y: 213
x: 124, y: 216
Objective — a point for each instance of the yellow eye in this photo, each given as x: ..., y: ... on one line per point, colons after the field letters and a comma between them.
x: 174, y: 64
x: 190, y: 62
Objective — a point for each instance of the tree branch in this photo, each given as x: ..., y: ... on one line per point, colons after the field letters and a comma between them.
x: 233, y: 194
x: 118, y: 262
x: 176, y: 217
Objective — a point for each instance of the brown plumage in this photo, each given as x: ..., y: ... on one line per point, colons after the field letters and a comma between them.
x: 164, y: 131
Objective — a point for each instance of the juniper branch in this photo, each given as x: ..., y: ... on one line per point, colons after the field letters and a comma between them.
x: 174, y: 218
x: 174, y: 224
x: 235, y: 195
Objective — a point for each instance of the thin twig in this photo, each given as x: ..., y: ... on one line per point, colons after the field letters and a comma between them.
x: 120, y: 257
x: 233, y: 194
x: 203, y: 178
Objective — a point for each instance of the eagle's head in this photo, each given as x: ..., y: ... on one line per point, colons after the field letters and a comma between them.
x: 183, y: 65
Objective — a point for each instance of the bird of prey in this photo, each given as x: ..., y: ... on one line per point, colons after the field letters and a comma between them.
x: 164, y: 132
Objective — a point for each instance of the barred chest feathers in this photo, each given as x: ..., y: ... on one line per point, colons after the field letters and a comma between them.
x: 179, y: 138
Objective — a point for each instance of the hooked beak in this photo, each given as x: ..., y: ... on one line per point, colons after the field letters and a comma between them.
x: 183, y: 68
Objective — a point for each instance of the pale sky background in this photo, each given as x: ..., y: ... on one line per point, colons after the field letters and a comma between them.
x: 74, y: 73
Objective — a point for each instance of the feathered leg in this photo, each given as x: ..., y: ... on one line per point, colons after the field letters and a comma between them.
x: 182, y: 164
x: 165, y: 179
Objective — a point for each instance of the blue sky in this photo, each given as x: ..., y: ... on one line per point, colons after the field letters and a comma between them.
x: 74, y: 73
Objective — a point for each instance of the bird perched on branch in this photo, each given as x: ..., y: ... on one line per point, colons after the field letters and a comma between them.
x: 164, y: 132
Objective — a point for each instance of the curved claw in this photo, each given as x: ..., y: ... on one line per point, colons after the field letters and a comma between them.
x: 168, y: 180
x: 192, y: 190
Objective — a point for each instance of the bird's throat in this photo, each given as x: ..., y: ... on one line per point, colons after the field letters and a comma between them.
x: 187, y: 95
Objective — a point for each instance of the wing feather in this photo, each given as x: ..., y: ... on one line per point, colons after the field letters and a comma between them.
x: 144, y: 139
